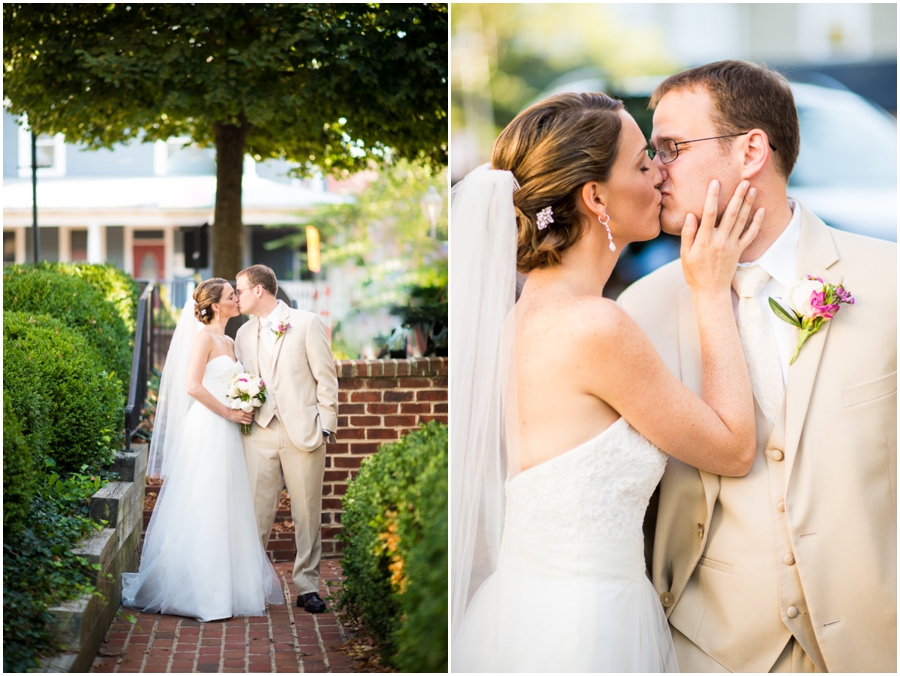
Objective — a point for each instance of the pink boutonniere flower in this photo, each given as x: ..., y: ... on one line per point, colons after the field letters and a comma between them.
x: 281, y: 329
x: 812, y: 302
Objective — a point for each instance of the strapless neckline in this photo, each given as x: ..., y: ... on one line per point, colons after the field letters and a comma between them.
x: 575, y: 450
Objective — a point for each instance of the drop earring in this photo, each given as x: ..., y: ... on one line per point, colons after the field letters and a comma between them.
x: 605, y: 224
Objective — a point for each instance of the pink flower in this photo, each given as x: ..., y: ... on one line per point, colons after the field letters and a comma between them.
x: 811, y: 302
x: 281, y: 330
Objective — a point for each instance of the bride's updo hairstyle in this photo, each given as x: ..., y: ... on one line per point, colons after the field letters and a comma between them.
x: 553, y: 148
x: 205, y: 295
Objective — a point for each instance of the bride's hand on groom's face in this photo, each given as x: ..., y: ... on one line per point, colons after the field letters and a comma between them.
x: 710, y: 253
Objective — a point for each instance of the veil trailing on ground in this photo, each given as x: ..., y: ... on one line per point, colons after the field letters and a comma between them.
x: 173, y: 400
x: 482, y: 299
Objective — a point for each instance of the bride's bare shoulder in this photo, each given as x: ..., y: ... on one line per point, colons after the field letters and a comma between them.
x: 583, y: 322
x: 600, y: 320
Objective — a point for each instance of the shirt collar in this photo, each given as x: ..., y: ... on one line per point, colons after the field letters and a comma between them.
x: 780, y: 259
x: 265, y: 321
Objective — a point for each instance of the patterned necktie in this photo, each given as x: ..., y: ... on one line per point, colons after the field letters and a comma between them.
x: 758, y: 341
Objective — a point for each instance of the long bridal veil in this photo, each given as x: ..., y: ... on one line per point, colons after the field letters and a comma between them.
x: 482, y: 298
x: 173, y: 401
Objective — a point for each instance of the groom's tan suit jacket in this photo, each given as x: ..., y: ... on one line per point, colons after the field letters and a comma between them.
x: 806, y: 543
x: 300, y: 378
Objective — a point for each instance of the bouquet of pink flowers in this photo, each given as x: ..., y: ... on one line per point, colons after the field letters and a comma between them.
x: 246, y: 392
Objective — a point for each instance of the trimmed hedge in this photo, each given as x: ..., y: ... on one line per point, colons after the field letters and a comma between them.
x: 114, y: 284
x: 79, y: 305
x: 395, y: 555
x: 18, y: 471
x: 69, y: 407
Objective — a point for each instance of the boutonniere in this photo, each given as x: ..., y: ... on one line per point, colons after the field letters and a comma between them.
x: 812, y: 302
x: 281, y: 329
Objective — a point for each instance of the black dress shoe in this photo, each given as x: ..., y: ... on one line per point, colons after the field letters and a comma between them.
x: 311, y: 603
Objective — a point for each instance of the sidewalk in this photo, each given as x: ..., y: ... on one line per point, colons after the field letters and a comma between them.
x: 287, y: 639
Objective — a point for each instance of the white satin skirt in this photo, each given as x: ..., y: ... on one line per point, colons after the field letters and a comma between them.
x: 586, y: 607
x: 202, y: 555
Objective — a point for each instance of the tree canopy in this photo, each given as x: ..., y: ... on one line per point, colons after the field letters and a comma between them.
x: 332, y: 86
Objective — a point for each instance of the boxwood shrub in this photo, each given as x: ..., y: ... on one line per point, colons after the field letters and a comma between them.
x: 79, y: 305
x: 18, y: 471
x: 395, y: 554
x: 113, y: 284
x: 70, y: 408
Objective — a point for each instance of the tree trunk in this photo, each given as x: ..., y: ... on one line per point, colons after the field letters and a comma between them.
x: 228, y: 226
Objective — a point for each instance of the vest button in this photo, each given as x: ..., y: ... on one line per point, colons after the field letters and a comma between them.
x: 666, y: 599
x: 700, y: 530
x: 789, y: 559
x: 777, y: 455
x: 781, y: 506
x: 792, y: 612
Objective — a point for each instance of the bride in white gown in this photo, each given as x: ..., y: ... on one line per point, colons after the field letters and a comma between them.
x: 202, y: 557
x: 560, y: 403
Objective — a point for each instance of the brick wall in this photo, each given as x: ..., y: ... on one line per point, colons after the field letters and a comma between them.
x: 378, y: 401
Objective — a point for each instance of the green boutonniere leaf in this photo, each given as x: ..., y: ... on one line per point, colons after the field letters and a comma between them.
x: 783, y: 314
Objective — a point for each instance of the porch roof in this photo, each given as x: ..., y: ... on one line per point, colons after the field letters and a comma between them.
x: 157, y: 193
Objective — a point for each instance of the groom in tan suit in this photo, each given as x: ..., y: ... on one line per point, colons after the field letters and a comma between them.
x: 793, y: 567
x: 290, y: 350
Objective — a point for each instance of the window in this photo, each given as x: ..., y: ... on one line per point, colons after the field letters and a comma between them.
x: 149, y: 234
x: 51, y: 154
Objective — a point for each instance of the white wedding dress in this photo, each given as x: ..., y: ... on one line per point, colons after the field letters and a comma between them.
x: 202, y: 557
x: 570, y: 593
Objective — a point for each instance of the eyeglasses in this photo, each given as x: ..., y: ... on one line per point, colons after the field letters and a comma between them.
x: 238, y: 292
x: 668, y: 150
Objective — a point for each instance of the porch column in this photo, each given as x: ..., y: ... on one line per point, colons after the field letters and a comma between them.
x: 95, y: 248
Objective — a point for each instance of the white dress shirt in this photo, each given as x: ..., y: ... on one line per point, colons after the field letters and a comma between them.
x: 780, y: 261
x: 266, y: 329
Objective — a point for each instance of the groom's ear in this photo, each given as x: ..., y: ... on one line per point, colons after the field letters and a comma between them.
x: 755, y: 152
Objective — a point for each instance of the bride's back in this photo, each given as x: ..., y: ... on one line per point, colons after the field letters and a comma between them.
x: 556, y: 411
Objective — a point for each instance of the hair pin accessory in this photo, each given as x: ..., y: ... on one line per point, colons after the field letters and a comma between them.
x: 203, y: 312
x: 545, y: 217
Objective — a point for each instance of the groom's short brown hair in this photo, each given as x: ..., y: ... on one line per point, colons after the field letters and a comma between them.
x: 746, y: 96
x: 261, y: 275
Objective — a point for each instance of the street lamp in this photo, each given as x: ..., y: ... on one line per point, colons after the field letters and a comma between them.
x: 34, y: 214
x: 431, y: 204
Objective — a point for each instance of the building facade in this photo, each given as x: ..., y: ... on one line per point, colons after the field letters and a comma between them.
x: 130, y: 206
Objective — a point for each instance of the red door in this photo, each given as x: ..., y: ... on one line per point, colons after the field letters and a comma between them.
x: 149, y: 261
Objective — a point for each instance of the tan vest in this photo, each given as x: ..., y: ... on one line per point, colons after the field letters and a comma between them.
x: 747, y: 556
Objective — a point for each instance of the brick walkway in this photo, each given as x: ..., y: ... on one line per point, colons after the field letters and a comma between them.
x: 287, y: 639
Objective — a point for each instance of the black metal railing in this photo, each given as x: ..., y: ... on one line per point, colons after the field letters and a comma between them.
x: 141, y: 361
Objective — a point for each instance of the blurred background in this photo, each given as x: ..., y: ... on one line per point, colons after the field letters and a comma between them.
x: 841, y: 59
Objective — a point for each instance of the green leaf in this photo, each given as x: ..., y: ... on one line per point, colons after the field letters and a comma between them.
x: 785, y: 315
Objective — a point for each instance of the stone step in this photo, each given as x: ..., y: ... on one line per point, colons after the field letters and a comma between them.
x: 81, y: 624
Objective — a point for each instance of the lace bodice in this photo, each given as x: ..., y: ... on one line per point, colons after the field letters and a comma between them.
x: 218, y: 375
x: 597, y: 491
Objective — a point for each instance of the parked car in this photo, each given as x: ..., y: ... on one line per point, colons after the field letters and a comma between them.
x: 847, y: 169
